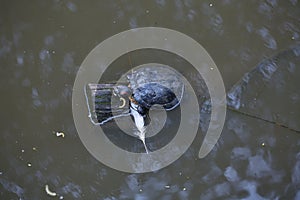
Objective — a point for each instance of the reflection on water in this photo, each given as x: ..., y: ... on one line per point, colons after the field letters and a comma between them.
x: 42, y: 45
x: 270, y: 91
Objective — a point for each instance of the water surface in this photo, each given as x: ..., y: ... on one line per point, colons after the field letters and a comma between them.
x: 43, y: 43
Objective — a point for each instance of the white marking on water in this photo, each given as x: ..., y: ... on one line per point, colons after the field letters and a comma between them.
x: 49, y: 192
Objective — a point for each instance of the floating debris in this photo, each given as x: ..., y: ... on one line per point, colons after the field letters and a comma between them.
x: 167, y: 186
x: 49, y: 192
x: 263, y: 144
x: 60, y: 134
x: 34, y: 148
x: 22, y: 150
x: 184, y: 189
x: 29, y: 164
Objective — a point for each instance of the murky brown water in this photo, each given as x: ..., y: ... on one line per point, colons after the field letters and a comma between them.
x: 43, y: 43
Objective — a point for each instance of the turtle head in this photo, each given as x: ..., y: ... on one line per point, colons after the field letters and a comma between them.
x: 123, y: 91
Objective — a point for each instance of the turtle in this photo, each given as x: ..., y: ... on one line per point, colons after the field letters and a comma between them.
x: 156, y: 86
x: 150, y: 86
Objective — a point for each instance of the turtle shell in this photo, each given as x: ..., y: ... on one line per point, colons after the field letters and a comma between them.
x: 156, y: 85
x: 155, y: 94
